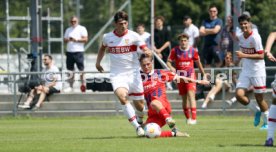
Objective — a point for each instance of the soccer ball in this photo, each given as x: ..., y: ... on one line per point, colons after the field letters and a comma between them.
x: 152, y: 130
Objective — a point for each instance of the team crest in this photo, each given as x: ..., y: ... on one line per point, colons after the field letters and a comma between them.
x: 251, y: 44
x: 126, y: 41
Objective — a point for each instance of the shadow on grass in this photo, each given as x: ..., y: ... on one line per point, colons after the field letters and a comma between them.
x: 111, y: 137
x: 249, y: 145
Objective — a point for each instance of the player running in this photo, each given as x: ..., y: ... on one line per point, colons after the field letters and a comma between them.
x: 184, y: 57
x: 159, y: 108
x: 253, y: 71
x: 272, y: 111
x: 124, y: 68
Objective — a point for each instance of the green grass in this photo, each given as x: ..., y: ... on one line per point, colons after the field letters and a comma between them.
x: 98, y: 134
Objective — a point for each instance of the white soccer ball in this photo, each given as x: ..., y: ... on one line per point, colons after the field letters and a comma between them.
x: 152, y: 130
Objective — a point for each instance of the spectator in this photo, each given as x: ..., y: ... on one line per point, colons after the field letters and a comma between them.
x: 191, y: 30
x: 161, y: 40
x: 145, y: 35
x: 227, y: 37
x: 210, y: 30
x: 222, y: 78
x: 52, y: 84
x: 75, y: 37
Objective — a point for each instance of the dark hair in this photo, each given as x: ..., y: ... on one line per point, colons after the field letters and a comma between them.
x: 183, y: 35
x: 160, y: 18
x: 141, y: 24
x: 143, y: 56
x: 244, y: 17
x: 212, y: 6
x: 49, y: 56
x: 121, y: 15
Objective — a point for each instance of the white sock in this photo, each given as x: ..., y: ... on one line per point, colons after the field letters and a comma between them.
x: 265, y: 116
x: 252, y: 106
x: 233, y: 100
x: 130, y: 114
x: 140, y: 115
x: 271, y: 122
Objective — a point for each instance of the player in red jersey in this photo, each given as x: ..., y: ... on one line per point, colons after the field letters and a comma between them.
x: 184, y: 57
x: 159, y: 108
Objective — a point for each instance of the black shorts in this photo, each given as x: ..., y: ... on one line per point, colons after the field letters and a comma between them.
x: 52, y: 90
x: 211, y: 53
x: 72, y: 58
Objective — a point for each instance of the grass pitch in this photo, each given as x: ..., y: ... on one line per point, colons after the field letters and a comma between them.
x: 115, y: 134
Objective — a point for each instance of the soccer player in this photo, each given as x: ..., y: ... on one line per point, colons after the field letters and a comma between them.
x: 184, y: 57
x: 159, y: 108
x: 272, y: 111
x: 124, y: 68
x: 253, y: 71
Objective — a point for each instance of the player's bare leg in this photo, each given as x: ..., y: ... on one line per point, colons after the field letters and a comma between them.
x: 139, y: 110
x: 129, y: 112
x: 244, y: 100
x: 263, y: 107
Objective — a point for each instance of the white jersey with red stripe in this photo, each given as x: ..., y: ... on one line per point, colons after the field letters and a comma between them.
x: 123, y: 51
x: 252, y: 45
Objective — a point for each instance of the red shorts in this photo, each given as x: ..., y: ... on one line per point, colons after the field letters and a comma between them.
x: 183, y: 88
x: 156, y: 119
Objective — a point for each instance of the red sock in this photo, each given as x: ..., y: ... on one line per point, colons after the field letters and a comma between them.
x: 193, y: 113
x: 186, y: 112
x: 166, y: 134
x: 163, y: 112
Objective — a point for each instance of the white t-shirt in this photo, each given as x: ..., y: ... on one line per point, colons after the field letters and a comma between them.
x: 123, y: 51
x: 192, y: 32
x: 76, y: 33
x: 252, y: 45
x: 50, y: 75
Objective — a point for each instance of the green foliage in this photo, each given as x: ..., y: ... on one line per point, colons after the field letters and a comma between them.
x: 95, y: 13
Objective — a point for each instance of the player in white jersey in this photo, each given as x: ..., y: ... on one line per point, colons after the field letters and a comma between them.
x: 272, y: 111
x: 124, y: 68
x: 253, y: 71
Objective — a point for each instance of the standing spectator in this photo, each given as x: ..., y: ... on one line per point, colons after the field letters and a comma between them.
x: 184, y: 57
x: 124, y: 68
x: 210, y: 29
x: 227, y: 36
x: 191, y: 30
x: 253, y: 71
x: 272, y: 111
x: 52, y: 84
x: 161, y: 40
x: 75, y: 37
x: 145, y: 35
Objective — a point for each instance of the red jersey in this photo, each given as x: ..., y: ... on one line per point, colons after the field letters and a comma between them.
x: 184, y: 60
x: 155, y: 87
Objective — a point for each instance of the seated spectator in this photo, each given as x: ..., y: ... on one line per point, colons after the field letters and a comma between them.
x: 52, y: 85
x: 222, y: 80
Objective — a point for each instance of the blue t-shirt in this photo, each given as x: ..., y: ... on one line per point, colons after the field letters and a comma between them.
x: 212, y: 39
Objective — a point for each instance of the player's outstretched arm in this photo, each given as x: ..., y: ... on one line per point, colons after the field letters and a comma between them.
x: 100, y: 56
x: 269, y: 42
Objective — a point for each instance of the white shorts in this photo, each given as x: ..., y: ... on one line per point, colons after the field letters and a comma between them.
x: 131, y: 81
x: 259, y: 83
